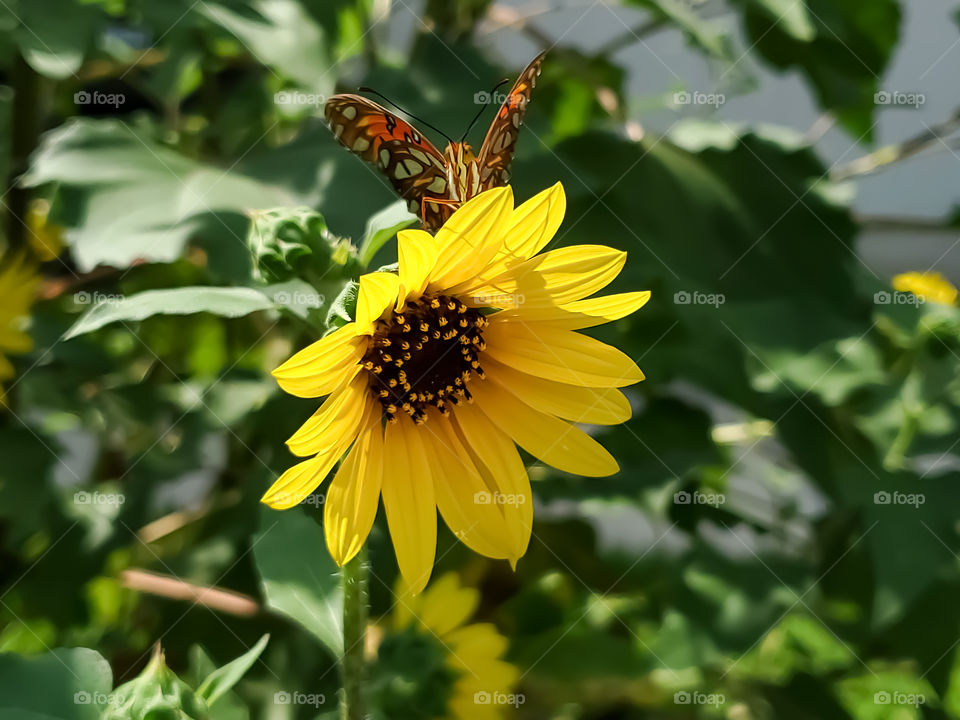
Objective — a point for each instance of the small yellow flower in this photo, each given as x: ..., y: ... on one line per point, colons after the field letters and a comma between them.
x: 433, y: 664
x: 469, y: 350
x: 18, y: 286
x: 931, y: 287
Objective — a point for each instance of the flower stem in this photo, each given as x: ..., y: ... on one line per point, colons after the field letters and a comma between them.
x: 353, y: 577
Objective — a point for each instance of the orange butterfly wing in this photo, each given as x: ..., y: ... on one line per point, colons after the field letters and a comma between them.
x: 412, y: 164
x: 498, y: 146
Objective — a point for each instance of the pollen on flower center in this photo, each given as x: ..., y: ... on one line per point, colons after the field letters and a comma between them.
x: 425, y: 355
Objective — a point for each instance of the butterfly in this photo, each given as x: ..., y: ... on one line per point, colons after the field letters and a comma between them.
x: 433, y: 183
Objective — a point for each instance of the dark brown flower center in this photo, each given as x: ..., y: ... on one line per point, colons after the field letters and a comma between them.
x: 425, y: 355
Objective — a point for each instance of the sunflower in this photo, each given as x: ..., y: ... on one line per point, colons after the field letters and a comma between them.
x: 431, y: 664
x: 932, y: 287
x: 18, y: 285
x: 467, y: 351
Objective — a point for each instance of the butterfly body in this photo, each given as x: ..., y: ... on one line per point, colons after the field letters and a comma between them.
x: 434, y: 184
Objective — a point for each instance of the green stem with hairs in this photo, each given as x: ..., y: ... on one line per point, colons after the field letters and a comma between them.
x: 353, y: 577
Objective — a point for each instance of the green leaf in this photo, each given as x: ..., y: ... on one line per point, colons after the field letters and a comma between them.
x: 344, y: 306
x: 792, y: 16
x: 222, y: 301
x: 382, y: 226
x: 298, y: 577
x: 284, y: 37
x: 223, y: 678
x: 56, y: 49
x: 700, y: 33
x: 167, y: 199
x: 67, y: 683
x: 849, y: 51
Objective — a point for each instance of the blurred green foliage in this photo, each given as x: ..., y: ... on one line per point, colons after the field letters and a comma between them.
x: 213, y: 225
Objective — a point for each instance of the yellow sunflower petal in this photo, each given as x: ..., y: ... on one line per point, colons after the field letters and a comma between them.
x: 322, y: 366
x: 464, y: 706
x: 303, y: 478
x: 327, y: 382
x: 339, y: 415
x: 491, y: 676
x: 7, y: 370
x: 409, y: 502
x: 16, y: 341
x: 560, y: 355
x: 497, y: 459
x: 528, y: 229
x: 462, y: 495
x: 354, y: 495
x: 582, y: 313
x: 552, y: 278
x: 596, y: 406
x: 447, y: 604
x: 417, y: 254
x: 476, y: 643
x: 555, y: 442
x: 471, y: 237
x: 378, y: 292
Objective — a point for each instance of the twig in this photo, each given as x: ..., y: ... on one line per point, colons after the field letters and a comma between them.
x: 933, y: 135
x: 174, y: 588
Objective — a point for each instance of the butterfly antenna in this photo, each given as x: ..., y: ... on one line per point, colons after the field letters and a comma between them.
x: 405, y: 112
x: 484, y: 106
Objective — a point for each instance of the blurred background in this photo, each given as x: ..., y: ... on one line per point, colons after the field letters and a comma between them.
x: 782, y: 539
